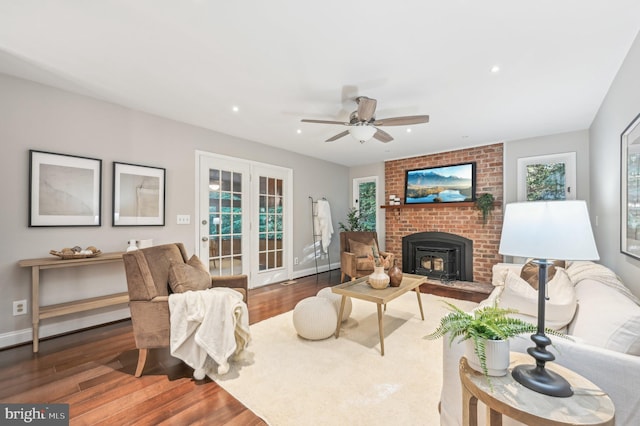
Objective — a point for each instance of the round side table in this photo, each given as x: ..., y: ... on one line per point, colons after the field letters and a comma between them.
x: 589, y: 405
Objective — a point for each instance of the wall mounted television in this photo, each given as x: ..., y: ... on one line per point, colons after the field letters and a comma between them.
x: 441, y: 184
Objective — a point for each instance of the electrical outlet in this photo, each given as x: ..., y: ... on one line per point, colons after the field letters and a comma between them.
x: 183, y: 219
x: 296, y: 261
x: 20, y: 307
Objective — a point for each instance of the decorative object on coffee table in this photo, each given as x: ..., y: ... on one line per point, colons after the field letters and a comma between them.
x: 395, y: 275
x: 378, y: 279
x: 546, y: 230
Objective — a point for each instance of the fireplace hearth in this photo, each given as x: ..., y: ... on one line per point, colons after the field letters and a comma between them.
x: 438, y: 255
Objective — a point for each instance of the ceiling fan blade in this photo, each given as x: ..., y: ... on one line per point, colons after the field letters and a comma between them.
x: 383, y: 136
x: 338, y: 136
x: 402, y: 121
x: 304, y: 120
x: 366, y: 108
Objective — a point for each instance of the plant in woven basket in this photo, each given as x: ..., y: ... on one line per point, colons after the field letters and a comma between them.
x: 487, y: 323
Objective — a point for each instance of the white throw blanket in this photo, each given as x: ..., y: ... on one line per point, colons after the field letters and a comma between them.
x: 208, y: 325
x: 324, y: 224
x: 580, y: 270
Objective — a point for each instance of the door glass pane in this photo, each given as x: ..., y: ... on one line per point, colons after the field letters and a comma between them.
x: 367, y: 204
x: 270, y: 216
x: 225, y: 222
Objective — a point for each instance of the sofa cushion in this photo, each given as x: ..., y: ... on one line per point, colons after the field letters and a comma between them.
x: 559, y: 309
x: 606, y: 318
x: 529, y: 272
x: 192, y: 275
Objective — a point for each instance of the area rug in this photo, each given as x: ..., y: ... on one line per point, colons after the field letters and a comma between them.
x: 287, y: 380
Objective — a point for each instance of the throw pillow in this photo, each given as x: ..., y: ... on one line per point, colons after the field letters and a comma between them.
x: 606, y: 318
x: 530, y: 270
x: 362, y: 249
x: 190, y: 276
x: 560, y: 308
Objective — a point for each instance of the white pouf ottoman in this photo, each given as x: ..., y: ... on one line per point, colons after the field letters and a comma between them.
x: 336, y: 299
x: 315, y: 318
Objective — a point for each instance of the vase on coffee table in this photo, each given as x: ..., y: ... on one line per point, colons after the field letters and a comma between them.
x: 378, y: 279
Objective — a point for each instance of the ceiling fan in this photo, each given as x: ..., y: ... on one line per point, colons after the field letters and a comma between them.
x: 363, y: 124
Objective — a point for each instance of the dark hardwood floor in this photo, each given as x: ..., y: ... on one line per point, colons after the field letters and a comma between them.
x: 93, y: 372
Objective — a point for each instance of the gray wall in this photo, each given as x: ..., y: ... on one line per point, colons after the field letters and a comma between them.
x: 33, y: 116
x: 619, y: 107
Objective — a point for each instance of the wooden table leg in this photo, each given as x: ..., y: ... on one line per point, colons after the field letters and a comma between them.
x: 35, y: 306
x: 493, y: 417
x: 380, y: 329
x: 342, y: 303
x: 417, y: 289
x: 469, y: 408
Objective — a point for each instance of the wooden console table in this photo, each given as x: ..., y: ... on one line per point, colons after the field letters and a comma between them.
x: 41, y: 312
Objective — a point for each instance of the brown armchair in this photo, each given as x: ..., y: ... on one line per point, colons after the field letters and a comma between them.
x: 354, y: 248
x: 147, y: 272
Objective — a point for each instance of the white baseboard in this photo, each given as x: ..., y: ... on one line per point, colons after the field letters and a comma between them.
x: 65, y: 326
x: 312, y: 271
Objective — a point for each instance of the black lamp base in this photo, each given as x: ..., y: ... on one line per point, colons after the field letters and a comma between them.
x: 542, y: 380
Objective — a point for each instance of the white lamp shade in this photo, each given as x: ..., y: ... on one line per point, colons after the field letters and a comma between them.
x: 362, y: 133
x: 548, y: 230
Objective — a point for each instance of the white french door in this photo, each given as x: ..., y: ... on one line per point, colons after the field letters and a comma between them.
x: 245, y: 218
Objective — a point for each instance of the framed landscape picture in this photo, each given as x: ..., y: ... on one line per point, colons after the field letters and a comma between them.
x: 442, y: 184
x: 64, y: 190
x: 630, y: 190
x: 138, y: 195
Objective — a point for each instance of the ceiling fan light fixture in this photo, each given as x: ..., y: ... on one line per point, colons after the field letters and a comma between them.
x: 362, y: 133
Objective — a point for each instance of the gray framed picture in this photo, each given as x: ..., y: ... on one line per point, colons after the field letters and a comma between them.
x: 630, y: 190
x: 138, y: 195
x: 64, y: 190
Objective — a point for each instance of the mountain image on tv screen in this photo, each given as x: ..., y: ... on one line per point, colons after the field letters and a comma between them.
x: 440, y: 184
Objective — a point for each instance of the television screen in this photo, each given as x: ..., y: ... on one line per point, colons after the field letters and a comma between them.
x: 445, y: 184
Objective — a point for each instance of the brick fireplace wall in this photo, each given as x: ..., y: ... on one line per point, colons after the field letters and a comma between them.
x: 461, y: 220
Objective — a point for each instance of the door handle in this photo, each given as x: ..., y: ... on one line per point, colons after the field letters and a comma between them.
x: 205, y: 239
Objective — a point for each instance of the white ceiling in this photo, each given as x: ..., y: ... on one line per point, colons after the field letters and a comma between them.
x: 283, y: 60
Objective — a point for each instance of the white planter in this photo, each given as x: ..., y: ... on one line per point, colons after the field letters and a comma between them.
x: 497, y: 357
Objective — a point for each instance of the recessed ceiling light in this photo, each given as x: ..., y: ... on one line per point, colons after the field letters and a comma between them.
x: 298, y: 131
x: 409, y: 130
x: 235, y: 108
x: 495, y: 69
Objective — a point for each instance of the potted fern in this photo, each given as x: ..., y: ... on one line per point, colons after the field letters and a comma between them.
x: 482, y: 328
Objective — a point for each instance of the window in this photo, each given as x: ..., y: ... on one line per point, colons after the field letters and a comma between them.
x: 547, y: 177
x: 365, y: 192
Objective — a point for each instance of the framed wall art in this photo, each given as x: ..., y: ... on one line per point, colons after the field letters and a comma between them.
x: 64, y: 190
x: 138, y: 195
x: 630, y: 189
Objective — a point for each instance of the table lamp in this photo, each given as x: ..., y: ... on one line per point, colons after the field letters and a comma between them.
x: 545, y: 230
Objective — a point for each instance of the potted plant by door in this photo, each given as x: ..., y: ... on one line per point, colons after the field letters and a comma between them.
x: 486, y: 330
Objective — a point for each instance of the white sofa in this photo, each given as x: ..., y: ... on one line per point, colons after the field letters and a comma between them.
x: 605, y: 350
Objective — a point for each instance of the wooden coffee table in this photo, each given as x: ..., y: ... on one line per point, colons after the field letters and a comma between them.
x: 360, y: 289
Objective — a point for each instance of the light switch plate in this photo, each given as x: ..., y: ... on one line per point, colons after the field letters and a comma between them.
x: 183, y: 219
